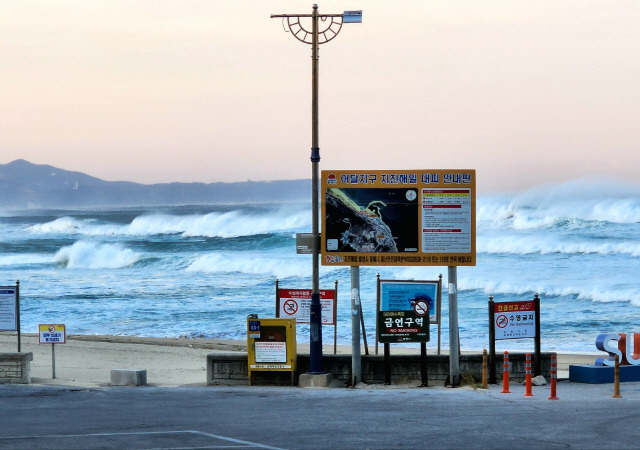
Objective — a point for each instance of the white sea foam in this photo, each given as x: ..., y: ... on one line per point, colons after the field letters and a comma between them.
x: 91, y: 255
x: 217, y: 224
x: 593, y: 200
x: 225, y: 225
x: 279, y: 266
x: 62, y: 225
x: 596, y: 292
x: 535, y: 244
x: 24, y: 259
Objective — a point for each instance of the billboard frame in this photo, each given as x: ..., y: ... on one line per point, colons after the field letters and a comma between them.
x: 445, y: 217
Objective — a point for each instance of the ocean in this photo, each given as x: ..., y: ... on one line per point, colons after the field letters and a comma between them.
x: 198, y: 271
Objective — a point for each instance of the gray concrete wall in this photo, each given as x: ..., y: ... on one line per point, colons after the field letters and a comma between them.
x: 15, y: 367
x: 229, y: 368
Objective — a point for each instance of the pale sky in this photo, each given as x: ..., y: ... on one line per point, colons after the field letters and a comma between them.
x: 525, y: 92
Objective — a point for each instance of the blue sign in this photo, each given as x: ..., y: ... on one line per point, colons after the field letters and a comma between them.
x: 417, y: 296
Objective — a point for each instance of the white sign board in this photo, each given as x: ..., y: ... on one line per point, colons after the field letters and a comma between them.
x: 296, y: 304
x: 8, y: 300
x: 515, y: 320
x: 52, y: 334
x: 271, y: 352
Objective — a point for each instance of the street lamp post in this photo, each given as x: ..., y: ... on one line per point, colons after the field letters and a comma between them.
x: 315, y: 37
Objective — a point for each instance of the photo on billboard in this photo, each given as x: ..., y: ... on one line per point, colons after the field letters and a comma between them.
x: 365, y: 220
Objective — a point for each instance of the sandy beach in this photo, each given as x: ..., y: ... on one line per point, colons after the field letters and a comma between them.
x: 87, y: 360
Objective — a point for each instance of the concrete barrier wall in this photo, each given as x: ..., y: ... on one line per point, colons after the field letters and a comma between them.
x: 223, y: 368
x: 15, y: 367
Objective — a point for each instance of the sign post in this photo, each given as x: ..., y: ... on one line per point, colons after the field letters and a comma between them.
x: 405, y: 311
x: 52, y: 334
x: 402, y: 218
x: 296, y: 304
x: 514, y: 320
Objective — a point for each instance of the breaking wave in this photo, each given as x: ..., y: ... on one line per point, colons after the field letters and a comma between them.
x: 579, y: 203
x: 216, y: 224
x: 90, y: 255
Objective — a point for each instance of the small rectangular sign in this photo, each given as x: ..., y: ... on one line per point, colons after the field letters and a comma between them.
x: 254, y: 329
x: 305, y: 243
x: 296, y: 303
x: 271, y: 352
x: 52, y: 334
x: 402, y: 326
x: 514, y: 320
x: 352, y: 17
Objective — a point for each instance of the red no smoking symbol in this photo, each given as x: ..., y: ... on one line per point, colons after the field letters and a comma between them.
x: 421, y: 307
x: 502, y: 321
x: 290, y: 307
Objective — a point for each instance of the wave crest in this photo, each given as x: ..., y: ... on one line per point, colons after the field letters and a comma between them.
x: 579, y: 203
x: 90, y: 255
x: 216, y: 224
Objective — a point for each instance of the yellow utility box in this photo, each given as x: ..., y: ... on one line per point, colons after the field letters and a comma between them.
x: 271, y: 346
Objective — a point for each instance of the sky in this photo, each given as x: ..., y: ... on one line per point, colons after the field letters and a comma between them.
x: 525, y: 92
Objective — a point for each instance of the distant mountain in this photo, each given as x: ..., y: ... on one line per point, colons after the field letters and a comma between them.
x: 24, y: 185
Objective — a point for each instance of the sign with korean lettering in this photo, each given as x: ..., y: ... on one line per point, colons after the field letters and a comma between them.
x: 514, y: 320
x: 271, y: 346
x: 271, y: 352
x: 296, y: 303
x: 8, y: 311
x: 402, y: 326
x: 397, y: 218
x: 52, y: 334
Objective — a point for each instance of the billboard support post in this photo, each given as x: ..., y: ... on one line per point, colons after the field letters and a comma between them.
x: 537, y: 370
x: 356, y: 365
x: 454, y: 352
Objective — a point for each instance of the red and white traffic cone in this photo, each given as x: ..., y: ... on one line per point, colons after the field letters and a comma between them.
x: 527, y: 379
x: 554, y: 375
x: 505, y: 374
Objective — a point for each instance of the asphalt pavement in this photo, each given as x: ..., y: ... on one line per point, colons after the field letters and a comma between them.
x: 375, y: 417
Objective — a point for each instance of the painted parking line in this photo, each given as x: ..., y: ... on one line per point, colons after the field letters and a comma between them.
x: 148, y: 440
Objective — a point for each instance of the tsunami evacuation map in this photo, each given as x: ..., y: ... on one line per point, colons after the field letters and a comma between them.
x: 379, y: 220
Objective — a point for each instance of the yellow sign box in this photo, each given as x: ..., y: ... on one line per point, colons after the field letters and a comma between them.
x: 398, y: 217
x: 271, y: 346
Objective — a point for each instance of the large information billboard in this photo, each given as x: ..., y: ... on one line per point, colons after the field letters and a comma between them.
x: 398, y: 217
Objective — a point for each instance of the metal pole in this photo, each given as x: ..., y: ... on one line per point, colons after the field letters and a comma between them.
x: 356, y: 372
x: 335, y: 319
x: 439, y: 311
x: 53, y: 361
x: 364, y: 332
x: 492, y: 343
x: 316, y: 366
x: 377, y: 308
x: 454, y: 341
x: 538, y: 354
x: 18, y: 314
